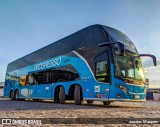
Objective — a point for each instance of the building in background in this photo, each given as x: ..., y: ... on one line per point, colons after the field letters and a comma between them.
x: 153, y: 94
x: 1, y: 88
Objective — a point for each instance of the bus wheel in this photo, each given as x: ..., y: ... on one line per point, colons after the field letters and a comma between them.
x: 106, y: 102
x: 89, y: 102
x: 77, y: 95
x: 12, y: 95
x: 16, y: 96
x: 62, y: 95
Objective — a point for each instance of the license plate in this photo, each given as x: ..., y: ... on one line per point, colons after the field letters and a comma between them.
x: 137, y: 97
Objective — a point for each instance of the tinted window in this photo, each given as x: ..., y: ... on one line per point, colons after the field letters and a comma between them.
x: 102, y: 67
x: 87, y: 37
x: 22, y: 80
x: 118, y: 36
x: 62, y: 74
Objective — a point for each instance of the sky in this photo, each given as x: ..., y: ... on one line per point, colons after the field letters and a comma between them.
x: 27, y: 25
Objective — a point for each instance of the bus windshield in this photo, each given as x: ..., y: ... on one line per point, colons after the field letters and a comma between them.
x: 128, y: 67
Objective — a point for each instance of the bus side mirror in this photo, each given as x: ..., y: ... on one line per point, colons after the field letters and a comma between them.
x: 154, y: 60
x: 152, y: 56
x: 147, y: 82
x: 121, y: 49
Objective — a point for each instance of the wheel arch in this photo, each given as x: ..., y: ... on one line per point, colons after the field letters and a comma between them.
x: 56, y: 90
x: 72, y: 88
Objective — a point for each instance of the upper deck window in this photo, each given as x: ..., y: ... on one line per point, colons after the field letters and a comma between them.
x: 118, y: 36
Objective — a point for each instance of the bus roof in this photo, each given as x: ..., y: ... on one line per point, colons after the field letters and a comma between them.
x: 87, y: 37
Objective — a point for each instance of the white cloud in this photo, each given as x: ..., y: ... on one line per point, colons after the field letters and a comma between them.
x: 153, y: 73
x: 148, y: 63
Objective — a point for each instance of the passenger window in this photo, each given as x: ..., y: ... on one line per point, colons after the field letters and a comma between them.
x: 22, y: 80
x: 102, y: 67
x: 31, y: 79
x: 26, y: 80
x: 61, y: 74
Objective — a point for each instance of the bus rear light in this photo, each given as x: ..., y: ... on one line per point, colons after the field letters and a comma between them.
x: 122, y: 88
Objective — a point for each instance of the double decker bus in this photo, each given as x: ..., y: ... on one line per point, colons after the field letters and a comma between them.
x: 97, y: 63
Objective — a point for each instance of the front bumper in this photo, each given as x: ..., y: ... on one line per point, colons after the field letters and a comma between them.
x: 113, y: 99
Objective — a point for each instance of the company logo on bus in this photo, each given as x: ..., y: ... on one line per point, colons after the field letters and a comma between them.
x: 48, y: 64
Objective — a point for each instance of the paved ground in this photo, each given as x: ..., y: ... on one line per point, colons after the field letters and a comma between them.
x: 30, y: 109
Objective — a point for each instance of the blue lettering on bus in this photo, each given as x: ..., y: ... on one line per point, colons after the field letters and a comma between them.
x: 48, y: 64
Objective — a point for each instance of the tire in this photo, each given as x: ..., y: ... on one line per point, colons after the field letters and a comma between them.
x: 106, y: 103
x: 56, y: 97
x: 12, y: 95
x: 89, y: 102
x: 62, y: 95
x: 16, y: 95
x: 77, y: 95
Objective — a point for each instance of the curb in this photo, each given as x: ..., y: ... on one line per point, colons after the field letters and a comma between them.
x: 2, y: 98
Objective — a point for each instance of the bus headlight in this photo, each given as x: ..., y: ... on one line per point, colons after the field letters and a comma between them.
x: 122, y: 88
